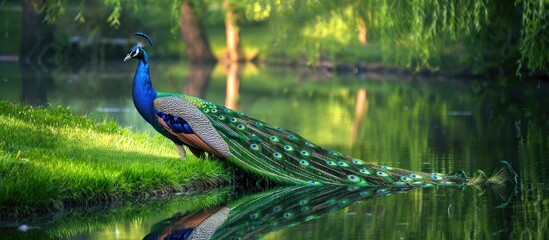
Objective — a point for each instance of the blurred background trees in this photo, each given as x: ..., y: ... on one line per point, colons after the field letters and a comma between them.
x: 474, y: 37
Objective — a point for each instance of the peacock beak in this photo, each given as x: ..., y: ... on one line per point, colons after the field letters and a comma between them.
x: 127, y: 57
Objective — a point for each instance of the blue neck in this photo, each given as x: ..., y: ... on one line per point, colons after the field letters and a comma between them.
x: 143, y: 92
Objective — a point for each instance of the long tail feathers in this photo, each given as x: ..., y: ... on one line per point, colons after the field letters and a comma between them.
x: 503, y: 183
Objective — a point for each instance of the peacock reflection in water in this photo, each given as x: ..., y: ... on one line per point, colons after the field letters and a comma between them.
x: 253, y: 216
x: 328, y: 180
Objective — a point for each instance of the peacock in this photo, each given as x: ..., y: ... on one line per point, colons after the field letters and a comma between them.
x: 272, y: 152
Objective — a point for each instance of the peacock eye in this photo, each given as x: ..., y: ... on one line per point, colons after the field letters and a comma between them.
x: 135, y: 53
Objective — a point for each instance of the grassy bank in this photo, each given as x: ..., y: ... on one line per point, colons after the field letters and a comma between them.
x: 51, y: 159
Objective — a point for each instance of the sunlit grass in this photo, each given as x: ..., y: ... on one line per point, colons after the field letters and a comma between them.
x: 50, y: 158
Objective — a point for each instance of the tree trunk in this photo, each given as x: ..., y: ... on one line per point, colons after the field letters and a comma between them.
x: 192, y: 32
x: 362, y: 32
x: 36, y: 82
x: 36, y: 36
x: 232, y: 57
x: 233, y: 53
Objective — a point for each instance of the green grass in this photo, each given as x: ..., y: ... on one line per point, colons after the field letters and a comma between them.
x: 10, y: 28
x: 51, y: 159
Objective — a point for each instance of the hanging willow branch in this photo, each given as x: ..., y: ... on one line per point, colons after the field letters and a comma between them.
x: 54, y: 9
x: 411, y: 33
x: 534, y: 35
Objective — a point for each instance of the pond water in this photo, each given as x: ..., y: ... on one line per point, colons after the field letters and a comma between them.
x: 406, y: 121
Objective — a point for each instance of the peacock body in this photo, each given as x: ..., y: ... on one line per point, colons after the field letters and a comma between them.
x: 258, y: 147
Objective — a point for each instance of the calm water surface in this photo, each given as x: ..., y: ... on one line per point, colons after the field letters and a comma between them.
x: 428, y: 124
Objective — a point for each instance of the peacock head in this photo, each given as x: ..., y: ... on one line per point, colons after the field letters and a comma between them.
x: 137, y: 52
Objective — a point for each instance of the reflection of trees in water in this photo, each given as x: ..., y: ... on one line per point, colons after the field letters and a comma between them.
x: 198, y: 79
x: 233, y: 85
x: 35, y: 51
x: 387, y: 99
x: 519, y: 99
x: 361, y: 108
x: 35, y: 84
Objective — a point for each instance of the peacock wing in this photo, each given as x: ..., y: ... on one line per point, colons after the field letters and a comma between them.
x: 187, y: 123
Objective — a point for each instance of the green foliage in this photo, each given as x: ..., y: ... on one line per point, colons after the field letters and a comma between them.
x: 53, y: 9
x: 11, y: 29
x: 481, y: 36
x: 50, y: 158
x: 535, y: 35
x: 421, y: 30
x: 494, y: 50
x: 425, y: 33
x: 113, y: 19
x: 412, y: 33
x: 175, y: 13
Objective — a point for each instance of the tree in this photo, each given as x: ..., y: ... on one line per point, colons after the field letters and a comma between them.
x: 232, y: 34
x: 36, y: 34
x: 534, y: 35
x: 192, y: 32
x: 35, y: 40
x: 419, y: 33
x: 413, y: 34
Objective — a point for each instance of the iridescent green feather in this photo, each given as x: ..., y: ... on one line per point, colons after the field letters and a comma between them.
x: 285, y: 156
x: 276, y: 153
